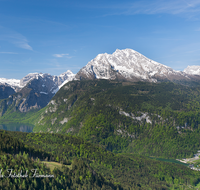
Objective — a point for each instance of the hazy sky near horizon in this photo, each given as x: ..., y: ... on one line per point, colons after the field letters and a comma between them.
x: 52, y: 36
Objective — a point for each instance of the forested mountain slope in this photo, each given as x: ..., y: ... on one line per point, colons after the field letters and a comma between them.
x: 159, y: 119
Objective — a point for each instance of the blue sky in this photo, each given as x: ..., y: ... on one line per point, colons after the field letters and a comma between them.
x: 52, y: 36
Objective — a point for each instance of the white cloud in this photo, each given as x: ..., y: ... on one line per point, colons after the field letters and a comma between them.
x: 20, y: 41
x: 23, y: 44
x: 62, y: 55
x: 15, y: 38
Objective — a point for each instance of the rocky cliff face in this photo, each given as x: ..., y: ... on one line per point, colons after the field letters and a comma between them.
x: 6, y: 91
x: 35, y: 93
x: 40, y: 91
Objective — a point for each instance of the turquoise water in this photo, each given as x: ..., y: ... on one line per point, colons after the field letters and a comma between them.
x: 17, y: 127
x: 169, y: 160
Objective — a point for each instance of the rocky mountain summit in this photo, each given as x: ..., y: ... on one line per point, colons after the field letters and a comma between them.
x: 56, y: 80
x: 129, y: 65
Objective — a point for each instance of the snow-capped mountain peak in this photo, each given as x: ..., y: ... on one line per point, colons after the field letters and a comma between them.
x: 10, y: 82
x: 126, y: 64
x: 68, y: 76
x: 192, y: 70
x: 68, y: 72
x: 25, y: 80
x: 57, y: 79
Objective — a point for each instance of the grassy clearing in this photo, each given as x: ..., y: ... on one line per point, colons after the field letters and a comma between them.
x: 53, y: 165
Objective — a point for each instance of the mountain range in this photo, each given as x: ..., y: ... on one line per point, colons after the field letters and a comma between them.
x: 124, y: 64
x: 17, y: 84
x: 35, y: 90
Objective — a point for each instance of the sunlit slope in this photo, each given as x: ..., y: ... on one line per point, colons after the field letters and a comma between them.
x: 152, y: 119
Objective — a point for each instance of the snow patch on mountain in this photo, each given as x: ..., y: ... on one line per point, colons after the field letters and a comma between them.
x: 55, y: 90
x: 43, y: 93
x: 10, y: 82
x: 63, y: 79
x: 68, y: 76
x: 192, y: 70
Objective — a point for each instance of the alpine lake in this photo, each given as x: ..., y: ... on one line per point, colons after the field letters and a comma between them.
x: 17, y: 127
